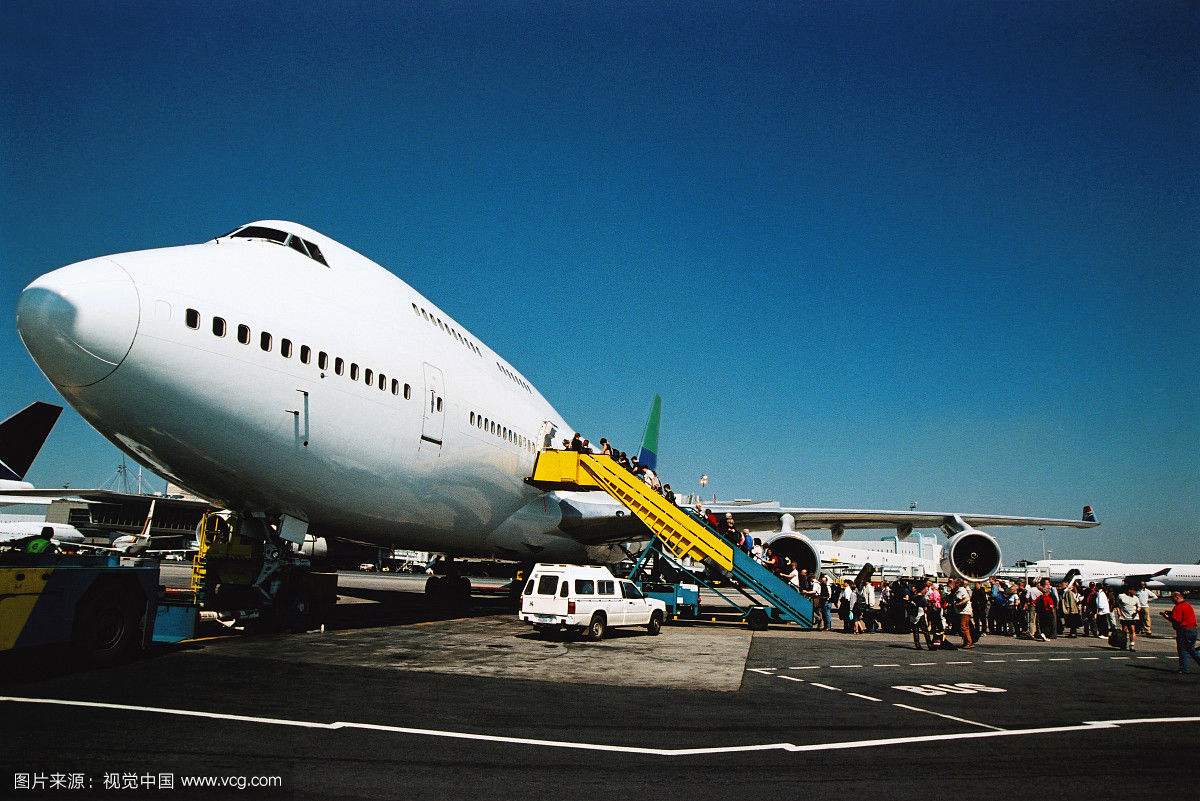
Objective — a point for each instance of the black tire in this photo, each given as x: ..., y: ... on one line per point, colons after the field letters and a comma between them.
x: 107, y: 625
x: 757, y: 619
x: 597, y: 627
x: 656, y: 623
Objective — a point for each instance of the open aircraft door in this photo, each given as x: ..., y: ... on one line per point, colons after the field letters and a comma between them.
x: 433, y: 420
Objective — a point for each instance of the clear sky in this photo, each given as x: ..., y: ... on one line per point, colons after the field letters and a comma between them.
x: 868, y: 253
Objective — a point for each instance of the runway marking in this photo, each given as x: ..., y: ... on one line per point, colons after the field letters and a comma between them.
x: 627, y: 749
x: 921, y: 664
x: 1089, y: 658
x: 958, y: 663
x: 825, y: 687
x: 762, y: 671
x: 865, y: 697
x: 1118, y: 657
x: 1145, y: 657
x: 1028, y: 660
x: 845, y: 666
x: 790, y: 678
x: 949, y: 717
x: 805, y: 667
x: 1059, y: 659
x: 994, y: 661
x: 888, y: 664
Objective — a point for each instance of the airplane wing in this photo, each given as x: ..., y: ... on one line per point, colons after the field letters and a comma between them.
x: 771, y: 514
x: 96, y: 496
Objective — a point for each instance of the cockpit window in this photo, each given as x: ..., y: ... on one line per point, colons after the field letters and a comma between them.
x: 297, y: 244
x: 315, y: 252
x: 259, y: 232
x: 301, y: 246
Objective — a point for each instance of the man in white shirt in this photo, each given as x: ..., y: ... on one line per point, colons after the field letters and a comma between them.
x: 1032, y: 593
x: 1129, y: 612
x: 1103, y: 613
x: 1144, y: 598
x: 962, y: 606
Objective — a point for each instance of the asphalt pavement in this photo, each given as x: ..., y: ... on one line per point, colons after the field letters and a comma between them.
x: 479, y: 707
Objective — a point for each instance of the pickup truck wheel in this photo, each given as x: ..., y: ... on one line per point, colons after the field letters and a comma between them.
x: 656, y: 621
x: 596, y: 629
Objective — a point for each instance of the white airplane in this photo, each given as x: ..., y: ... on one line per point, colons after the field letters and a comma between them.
x: 1119, y: 574
x: 61, y: 533
x: 291, y: 379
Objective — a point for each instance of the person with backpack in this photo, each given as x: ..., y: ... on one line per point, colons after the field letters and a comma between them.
x: 915, y: 607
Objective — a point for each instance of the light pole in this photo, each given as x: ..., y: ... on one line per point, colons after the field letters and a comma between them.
x: 1042, y: 532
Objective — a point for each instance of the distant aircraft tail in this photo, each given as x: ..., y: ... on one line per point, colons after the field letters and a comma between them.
x: 1089, y: 516
x: 22, y: 436
x: 648, y: 455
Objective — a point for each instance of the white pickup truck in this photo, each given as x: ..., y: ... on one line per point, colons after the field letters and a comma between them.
x: 591, y: 599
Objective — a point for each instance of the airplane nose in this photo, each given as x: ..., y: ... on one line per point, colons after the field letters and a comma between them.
x: 78, y: 322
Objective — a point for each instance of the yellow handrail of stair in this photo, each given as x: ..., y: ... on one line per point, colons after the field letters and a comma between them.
x: 682, y: 535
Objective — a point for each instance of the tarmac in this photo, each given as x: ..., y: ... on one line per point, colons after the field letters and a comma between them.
x: 398, y: 701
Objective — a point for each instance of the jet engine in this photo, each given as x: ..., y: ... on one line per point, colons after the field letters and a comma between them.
x: 971, y: 554
x: 799, y: 548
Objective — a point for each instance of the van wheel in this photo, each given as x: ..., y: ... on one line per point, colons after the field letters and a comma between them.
x: 596, y: 629
x: 656, y: 621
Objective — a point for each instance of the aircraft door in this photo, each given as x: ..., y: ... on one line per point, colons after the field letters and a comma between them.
x: 433, y: 420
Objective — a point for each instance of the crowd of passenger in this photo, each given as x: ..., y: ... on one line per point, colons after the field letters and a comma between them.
x: 930, y: 609
x: 580, y: 444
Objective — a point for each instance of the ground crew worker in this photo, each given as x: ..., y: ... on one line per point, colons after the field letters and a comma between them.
x: 1144, y: 597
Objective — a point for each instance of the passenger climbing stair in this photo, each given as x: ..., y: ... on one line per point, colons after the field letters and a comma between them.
x: 680, y: 533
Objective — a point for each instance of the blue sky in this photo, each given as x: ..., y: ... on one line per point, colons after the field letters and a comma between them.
x: 868, y: 253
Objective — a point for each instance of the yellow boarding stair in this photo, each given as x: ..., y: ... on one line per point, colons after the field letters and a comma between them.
x: 679, y: 533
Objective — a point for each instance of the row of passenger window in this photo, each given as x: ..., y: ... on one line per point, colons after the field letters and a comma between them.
x: 447, y: 328
x: 515, y: 378
x: 287, y: 350
x: 505, y: 433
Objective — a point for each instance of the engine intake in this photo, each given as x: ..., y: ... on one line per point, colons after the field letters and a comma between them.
x: 972, y: 554
x: 799, y: 549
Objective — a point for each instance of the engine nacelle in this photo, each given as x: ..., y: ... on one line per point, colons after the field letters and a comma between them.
x: 798, y: 548
x: 971, y: 554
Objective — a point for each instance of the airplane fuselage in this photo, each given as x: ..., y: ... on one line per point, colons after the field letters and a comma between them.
x: 1178, y: 576
x: 256, y: 375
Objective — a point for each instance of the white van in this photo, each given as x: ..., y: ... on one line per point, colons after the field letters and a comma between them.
x: 591, y: 599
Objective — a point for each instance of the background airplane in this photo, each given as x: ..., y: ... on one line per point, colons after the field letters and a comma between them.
x: 1120, y: 574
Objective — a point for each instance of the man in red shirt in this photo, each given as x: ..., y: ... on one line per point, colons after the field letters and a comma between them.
x: 1183, y: 618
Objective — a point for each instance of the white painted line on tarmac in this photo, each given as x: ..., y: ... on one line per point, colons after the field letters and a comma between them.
x: 628, y: 749
x: 1028, y: 660
x: 994, y: 661
x: 958, y: 663
x: 1145, y: 657
x: 1089, y: 658
x: 1059, y: 659
x: 805, y: 667
x: 921, y: 664
x: 949, y: 717
x: 845, y: 666
x: 865, y: 697
x: 888, y: 664
x: 1118, y: 657
x: 762, y: 671
x: 790, y: 678
x: 825, y: 687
